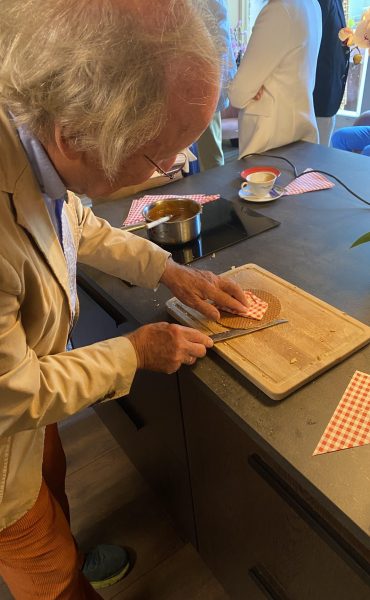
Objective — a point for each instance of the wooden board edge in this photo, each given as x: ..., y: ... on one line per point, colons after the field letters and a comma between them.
x: 278, y: 392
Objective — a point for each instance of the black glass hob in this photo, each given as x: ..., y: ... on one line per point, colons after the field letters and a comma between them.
x: 224, y: 223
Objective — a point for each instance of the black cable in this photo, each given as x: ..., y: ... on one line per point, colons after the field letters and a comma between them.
x: 336, y: 179
x: 272, y: 156
x: 297, y: 175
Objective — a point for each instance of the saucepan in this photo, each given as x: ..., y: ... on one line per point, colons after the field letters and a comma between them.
x: 183, y: 226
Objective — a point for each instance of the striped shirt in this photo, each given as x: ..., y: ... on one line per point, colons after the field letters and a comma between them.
x: 54, y: 193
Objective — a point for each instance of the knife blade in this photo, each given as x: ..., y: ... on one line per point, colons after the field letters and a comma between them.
x: 232, y: 333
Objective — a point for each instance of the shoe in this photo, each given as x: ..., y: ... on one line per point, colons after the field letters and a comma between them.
x: 105, y: 565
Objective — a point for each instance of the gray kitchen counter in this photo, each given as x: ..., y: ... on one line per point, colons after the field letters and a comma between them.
x: 311, y: 249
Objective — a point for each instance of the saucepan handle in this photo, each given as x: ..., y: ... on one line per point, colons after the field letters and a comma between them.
x: 134, y: 227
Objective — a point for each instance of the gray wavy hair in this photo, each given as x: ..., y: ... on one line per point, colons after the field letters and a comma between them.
x: 98, y: 70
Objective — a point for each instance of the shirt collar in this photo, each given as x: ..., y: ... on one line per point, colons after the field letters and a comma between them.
x: 45, y: 172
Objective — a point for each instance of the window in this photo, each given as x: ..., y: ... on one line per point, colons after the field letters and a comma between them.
x: 353, y: 97
x: 245, y: 11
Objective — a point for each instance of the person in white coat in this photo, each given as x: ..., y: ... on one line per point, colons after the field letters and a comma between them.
x: 275, y: 81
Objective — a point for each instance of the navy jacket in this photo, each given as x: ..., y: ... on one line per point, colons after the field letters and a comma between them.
x: 333, y: 61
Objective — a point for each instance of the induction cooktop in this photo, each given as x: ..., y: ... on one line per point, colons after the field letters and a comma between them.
x: 224, y: 223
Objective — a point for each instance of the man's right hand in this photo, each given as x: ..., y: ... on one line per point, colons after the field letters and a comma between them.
x: 165, y: 347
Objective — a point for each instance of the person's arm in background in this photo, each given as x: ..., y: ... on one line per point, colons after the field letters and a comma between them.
x: 268, y: 44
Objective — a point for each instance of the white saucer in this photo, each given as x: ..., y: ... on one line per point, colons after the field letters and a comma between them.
x: 275, y: 193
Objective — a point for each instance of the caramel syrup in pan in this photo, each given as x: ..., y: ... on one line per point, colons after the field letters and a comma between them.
x: 180, y: 209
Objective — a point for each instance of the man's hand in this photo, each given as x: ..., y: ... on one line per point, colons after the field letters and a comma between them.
x: 165, y: 347
x: 195, y: 288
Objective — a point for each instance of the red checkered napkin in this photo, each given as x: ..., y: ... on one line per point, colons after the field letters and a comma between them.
x: 255, y: 310
x: 135, y: 216
x: 308, y: 183
x: 350, y: 423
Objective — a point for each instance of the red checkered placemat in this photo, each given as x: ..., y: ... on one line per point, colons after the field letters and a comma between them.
x: 308, y: 183
x: 135, y: 216
x: 256, y: 307
x: 350, y: 423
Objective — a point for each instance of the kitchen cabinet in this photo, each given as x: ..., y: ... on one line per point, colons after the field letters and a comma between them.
x: 100, y: 317
x: 147, y: 423
x: 258, y: 531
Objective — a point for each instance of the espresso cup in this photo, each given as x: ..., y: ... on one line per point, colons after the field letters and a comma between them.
x: 259, y: 184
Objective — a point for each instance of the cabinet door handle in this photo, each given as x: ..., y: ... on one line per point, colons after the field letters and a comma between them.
x: 267, y: 583
x: 131, y: 414
x: 309, y: 514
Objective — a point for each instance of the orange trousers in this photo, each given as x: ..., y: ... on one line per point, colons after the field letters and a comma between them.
x: 38, y: 555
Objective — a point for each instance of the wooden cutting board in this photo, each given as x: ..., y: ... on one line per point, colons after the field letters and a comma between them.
x: 280, y: 359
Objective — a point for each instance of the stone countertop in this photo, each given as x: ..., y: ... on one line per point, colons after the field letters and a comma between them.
x: 311, y: 249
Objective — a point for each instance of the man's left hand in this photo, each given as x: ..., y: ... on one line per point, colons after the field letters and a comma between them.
x: 196, y: 288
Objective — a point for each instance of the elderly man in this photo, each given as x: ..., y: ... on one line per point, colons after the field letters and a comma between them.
x: 92, y: 93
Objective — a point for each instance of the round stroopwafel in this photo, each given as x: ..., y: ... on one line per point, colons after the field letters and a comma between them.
x: 236, y: 322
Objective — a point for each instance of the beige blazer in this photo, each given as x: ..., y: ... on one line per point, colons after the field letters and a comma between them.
x: 281, y: 55
x: 41, y: 383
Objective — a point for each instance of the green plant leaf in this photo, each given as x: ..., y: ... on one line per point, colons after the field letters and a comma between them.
x: 361, y: 240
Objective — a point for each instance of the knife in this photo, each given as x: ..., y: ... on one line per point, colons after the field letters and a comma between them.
x: 228, y: 335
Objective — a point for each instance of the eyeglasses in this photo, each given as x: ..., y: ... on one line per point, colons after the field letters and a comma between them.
x: 178, y: 165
